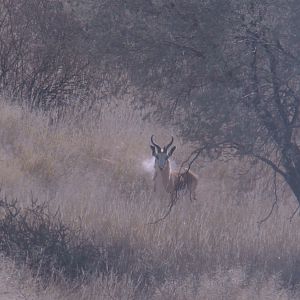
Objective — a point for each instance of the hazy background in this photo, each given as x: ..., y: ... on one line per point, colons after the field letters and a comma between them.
x: 84, y: 84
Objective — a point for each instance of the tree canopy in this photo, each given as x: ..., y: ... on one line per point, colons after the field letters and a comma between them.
x: 226, y: 73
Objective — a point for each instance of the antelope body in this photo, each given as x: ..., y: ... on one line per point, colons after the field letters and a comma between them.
x: 171, y: 181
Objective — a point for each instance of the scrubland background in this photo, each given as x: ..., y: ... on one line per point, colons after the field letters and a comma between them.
x: 92, y: 169
x: 84, y: 85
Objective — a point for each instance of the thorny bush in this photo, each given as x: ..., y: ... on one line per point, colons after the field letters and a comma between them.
x: 40, y: 239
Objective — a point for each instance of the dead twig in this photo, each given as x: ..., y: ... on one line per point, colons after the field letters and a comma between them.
x: 294, y: 213
x: 275, y: 203
x: 170, y: 207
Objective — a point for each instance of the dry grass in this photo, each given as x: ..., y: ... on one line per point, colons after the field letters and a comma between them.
x: 93, y: 170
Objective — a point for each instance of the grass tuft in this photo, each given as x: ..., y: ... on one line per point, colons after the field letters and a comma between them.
x: 100, y: 243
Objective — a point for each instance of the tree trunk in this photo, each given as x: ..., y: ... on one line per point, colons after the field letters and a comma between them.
x: 291, y: 162
x: 294, y: 184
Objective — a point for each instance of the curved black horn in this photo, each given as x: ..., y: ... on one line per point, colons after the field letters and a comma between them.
x: 157, y: 146
x: 166, y: 147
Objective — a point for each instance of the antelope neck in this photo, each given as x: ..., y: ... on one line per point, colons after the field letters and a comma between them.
x: 165, y: 173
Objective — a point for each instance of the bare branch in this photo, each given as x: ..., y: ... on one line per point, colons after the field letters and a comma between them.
x: 173, y: 201
x: 294, y: 213
x: 275, y: 203
x: 271, y: 164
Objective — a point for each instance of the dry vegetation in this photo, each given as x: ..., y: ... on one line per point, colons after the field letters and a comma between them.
x: 92, y: 170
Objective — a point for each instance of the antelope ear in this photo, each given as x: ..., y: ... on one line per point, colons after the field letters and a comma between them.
x: 153, y: 150
x: 171, y: 151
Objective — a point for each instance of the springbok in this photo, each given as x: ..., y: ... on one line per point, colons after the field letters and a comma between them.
x: 171, y: 181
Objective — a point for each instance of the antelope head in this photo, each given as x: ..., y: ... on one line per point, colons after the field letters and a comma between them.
x: 163, y: 154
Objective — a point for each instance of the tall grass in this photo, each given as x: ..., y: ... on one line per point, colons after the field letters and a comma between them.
x: 93, y: 169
